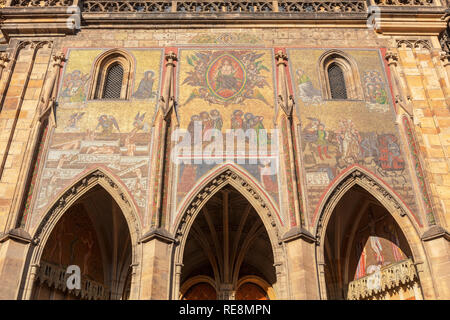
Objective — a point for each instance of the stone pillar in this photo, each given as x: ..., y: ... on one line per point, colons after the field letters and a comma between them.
x: 437, y: 244
x: 156, y: 261
x: 284, y: 120
x: 176, y: 286
x: 165, y: 121
x: 300, y: 251
x: 226, y: 292
x: 13, y: 249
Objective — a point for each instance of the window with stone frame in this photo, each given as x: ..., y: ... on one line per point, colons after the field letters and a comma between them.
x: 338, y: 89
x: 339, y: 76
x: 112, y: 76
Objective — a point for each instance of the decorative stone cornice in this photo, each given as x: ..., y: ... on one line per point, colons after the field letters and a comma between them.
x: 37, y: 21
x: 389, y: 277
x: 41, y: 3
x: 393, y: 16
x: 56, y: 277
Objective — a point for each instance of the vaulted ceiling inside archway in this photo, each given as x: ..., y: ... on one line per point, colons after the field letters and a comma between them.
x: 362, y: 237
x: 93, y: 234
x: 228, y: 241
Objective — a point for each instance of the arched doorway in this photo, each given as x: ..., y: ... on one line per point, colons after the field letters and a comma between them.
x: 93, y: 235
x: 366, y: 254
x: 227, y: 242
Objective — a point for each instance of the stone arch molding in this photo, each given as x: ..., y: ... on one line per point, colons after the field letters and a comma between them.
x: 227, y: 176
x: 359, y: 176
x: 401, y: 214
x: 66, y: 199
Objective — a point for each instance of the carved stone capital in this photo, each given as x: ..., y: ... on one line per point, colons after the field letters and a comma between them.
x: 445, y: 58
x: 4, y: 58
x: 171, y: 57
x: 392, y: 58
x: 281, y: 58
x: 58, y: 59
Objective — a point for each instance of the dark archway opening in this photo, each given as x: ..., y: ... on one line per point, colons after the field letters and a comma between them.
x: 364, y: 246
x: 227, y: 242
x: 93, y: 235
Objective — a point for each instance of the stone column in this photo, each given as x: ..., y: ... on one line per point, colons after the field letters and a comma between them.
x: 157, y: 243
x: 437, y: 244
x: 165, y: 121
x: 13, y: 249
x: 288, y: 157
x: 226, y: 292
x: 156, y: 262
x: 300, y: 251
x: 176, y: 286
x: 299, y: 243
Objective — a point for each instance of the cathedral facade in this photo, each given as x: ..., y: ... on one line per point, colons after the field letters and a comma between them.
x: 203, y: 149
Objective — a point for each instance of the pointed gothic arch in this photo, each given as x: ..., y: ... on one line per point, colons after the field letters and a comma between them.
x: 230, y: 176
x: 95, y: 178
x: 402, y: 216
